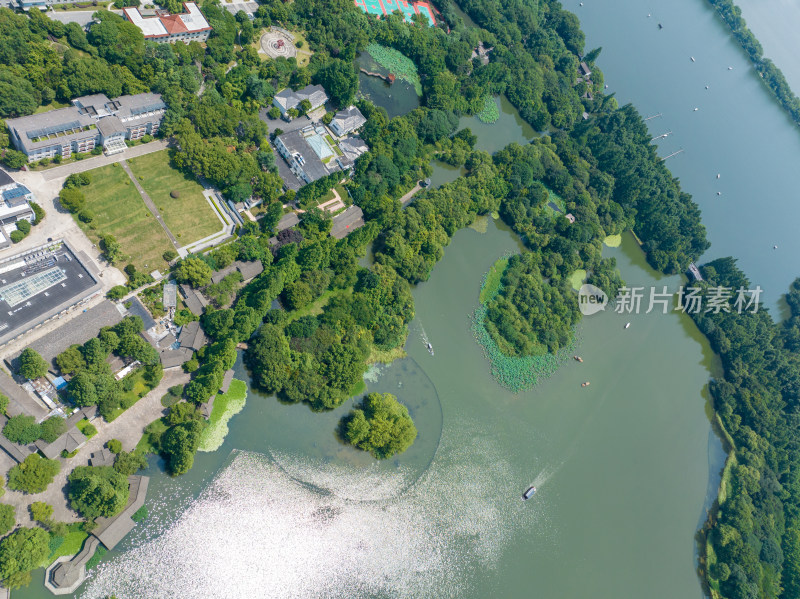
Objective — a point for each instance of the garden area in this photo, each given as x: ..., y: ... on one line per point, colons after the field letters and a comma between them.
x: 118, y: 210
x: 179, y: 198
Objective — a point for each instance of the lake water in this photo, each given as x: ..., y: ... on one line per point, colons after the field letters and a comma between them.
x: 774, y: 23
x: 626, y: 467
x: 739, y: 130
x: 398, y: 98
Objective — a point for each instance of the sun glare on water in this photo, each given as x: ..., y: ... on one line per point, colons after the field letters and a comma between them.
x: 290, y: 528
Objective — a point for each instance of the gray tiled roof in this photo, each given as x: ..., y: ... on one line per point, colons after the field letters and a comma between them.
x: 69, y: 442
x: 172, y: 358
x: 346, y: 222
x: 193, y: 299
x: 288, y: 220
x: 291, y: 99
x: 192, y: 336
x: 348, y: 120
x: 111, y: 531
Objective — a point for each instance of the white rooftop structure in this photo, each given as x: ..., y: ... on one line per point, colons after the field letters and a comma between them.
x: 188, y: 26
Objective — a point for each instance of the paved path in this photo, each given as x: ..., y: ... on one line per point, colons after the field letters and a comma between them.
x: 127, y: 428
x: 87, y: 164
x: 150, y: 204
x: 407, y: 198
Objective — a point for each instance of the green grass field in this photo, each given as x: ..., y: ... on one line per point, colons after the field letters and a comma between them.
x: 120, y: 211
x: 189, y: 217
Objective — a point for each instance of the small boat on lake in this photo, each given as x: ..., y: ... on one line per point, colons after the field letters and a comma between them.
x: 430, y: 348
x: 692, y: 57
x: 578, y: 358
x: 586, y: 384
x: 529, y: 492
x: 627, y: 324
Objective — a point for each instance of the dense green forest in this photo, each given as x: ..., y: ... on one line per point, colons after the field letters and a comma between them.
x: 753, y: 538
x: 771, y: 75
x: 337, y: 316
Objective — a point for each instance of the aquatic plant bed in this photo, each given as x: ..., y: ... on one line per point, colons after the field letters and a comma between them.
x: 515, y: 373
x: 226, y: 405
x: 490, y: 112
x: 397, y: 64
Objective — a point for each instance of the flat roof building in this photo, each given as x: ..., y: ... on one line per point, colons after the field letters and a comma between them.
x: 163, y: 27
x: 90, y: 122
x: 37, y: 285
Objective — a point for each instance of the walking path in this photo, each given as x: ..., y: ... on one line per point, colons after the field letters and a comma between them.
x: 215, y: 238
x: 127, y: 428
x: 407, y: 198
x: 150, y: 204
x: 87, y: 164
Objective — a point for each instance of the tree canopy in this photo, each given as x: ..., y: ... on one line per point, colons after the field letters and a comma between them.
x: 97, y: 491
x: 33, y: 475
x: 31, y: 364
x: 380, y: 425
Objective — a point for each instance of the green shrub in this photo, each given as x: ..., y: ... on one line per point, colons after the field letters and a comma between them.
x: 41, y: 511
x: 17, y: 236
x: 114, y: 445
x: 117, y: 292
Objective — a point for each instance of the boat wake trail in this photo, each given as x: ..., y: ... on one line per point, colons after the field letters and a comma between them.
x: 424, y: 336
x: 546, y: 474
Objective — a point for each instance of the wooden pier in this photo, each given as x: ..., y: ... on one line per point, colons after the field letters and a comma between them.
x: 387, y: 78
x: 671, y: 155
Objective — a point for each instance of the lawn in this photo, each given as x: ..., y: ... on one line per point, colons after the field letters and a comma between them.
x: 138, y: 390
x: 52, y: 106
x: 158, y: 427
x: 71, y: 545
x: 189, y: 216
x: 119, y: 211
x: 86, y: 427
x: 329, y: 196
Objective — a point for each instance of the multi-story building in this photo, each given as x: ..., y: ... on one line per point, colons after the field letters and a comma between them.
x: 14, y: 206
x: 163, y: 27
x: 90, y: 122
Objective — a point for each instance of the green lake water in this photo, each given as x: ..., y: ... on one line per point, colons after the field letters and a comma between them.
x: 625, y: 467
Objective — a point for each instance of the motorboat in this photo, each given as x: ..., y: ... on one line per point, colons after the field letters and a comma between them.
x: 529, y: 492
x: 627, y: 324
x: 586, y: 384
x: 430, y: 348
x: 692, y: 57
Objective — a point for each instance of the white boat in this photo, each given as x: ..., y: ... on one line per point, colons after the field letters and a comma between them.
x: 627, y: 324
x: 530, y: 492
x: 692, y: 58
x: 430, y: 348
